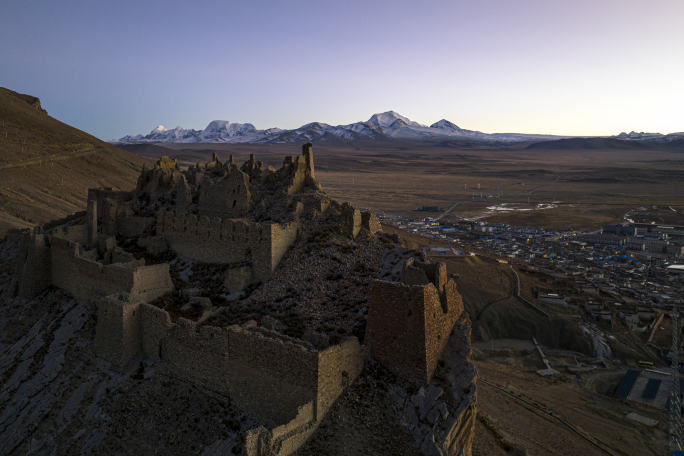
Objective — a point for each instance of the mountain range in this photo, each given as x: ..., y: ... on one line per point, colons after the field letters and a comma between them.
x: 381, y: 126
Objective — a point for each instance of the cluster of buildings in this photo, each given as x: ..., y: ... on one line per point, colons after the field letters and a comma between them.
x: 621, y: 272
x: 640, y: 242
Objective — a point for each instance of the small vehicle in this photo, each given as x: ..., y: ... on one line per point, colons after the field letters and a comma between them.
x: 645, y: 364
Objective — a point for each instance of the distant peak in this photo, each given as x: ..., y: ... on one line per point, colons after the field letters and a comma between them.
x: 159, y: 129
x: 445, y: 125
x: 386, y: 119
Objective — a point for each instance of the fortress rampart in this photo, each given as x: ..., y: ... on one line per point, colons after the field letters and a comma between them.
x: 89, y: 280
x: 285, y: 382
x: 409, y: 323
x: 55, y: 260
x: 266, y: 373
x: 101, y: 194
x: 226, y: 241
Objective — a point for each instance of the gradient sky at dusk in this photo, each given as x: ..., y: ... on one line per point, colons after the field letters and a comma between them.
x: 581, y: 67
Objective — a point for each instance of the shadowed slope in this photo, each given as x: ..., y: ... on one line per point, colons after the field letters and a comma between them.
x: 46, y: 166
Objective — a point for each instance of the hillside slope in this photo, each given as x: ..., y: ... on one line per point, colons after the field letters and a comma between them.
x: 605, y: 143
x: 47, y: 166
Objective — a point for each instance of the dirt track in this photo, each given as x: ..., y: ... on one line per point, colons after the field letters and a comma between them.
x: 556, y: 416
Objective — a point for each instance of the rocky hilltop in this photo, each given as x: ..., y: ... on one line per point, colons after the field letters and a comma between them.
x: 229, y: 309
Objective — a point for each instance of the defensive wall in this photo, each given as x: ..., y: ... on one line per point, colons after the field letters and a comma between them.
x: 101, y: 194
x: 117, y: 218
x: 409, y: 323
x: 281, y: 380
x: 226, y: 197
x: 55, y: 223
x: 46, y: 260
x: 75, y: 233
x: 226, y: 241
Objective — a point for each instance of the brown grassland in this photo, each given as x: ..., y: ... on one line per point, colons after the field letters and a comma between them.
x: 47, y: 166
x: 573, y: 188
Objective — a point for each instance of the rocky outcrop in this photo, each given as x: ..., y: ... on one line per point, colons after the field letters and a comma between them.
x: 442, y: 419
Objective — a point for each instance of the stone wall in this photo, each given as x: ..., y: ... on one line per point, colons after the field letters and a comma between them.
x: 270, y: 378
x: 32, y: 272
x: 155, y: 323
x: 75, y: 233
x: 226, y: 196
x: 54, y: 223
x: 100, y: 194
x: 441, y: 313
x: 370, y: 222
x: 282, y: 440
x: 226, y: 241
x: 264, y: 372
x: 150, y: 282
x: 409, y: 323
x: 89, y: 280
x: 198, y: 356
x: 282, y: 381
x: 338, y: 366
x: 118, y: 335
x: 350, y: 221
x: 281, y: 239
x: 300, y: 171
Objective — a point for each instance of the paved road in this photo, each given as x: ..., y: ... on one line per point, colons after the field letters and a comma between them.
x: 448, y: 210
x: 523, y: 299
x: 37, y: 161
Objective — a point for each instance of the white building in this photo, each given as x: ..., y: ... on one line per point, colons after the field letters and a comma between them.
x: 551, y: 298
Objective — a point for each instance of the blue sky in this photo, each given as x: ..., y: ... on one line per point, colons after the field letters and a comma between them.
x: 573, y: 68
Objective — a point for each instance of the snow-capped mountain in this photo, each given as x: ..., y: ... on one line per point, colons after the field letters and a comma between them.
x: 650, y: 137
x: 393, y: 119
x: 445, y: 125
x: 379, y: 127
x: 216, y: 131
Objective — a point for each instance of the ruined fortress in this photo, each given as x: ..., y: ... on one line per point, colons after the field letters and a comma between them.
x: 246, y: 220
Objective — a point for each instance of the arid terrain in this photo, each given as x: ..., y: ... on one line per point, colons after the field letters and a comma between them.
x: 519, y: 412
x: 563, y: 188
x: 47, y: 340
x: 46, y: 166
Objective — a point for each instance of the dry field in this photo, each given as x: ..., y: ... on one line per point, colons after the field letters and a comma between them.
x: 582, y: 188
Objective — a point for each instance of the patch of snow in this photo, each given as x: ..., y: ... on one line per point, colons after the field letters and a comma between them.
x: 183, y: 266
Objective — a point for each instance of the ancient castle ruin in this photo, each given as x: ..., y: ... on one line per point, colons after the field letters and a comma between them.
x: 254, y: 284
x: 410, y: 321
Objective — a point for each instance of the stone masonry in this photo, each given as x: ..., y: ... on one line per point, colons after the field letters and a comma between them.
x: 409, y: 323
x: 242, y: 221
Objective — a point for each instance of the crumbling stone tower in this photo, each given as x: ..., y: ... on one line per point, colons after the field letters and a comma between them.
x: 409, y: 323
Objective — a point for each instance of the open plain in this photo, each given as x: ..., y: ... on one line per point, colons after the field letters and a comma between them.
x: 542, y: 185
